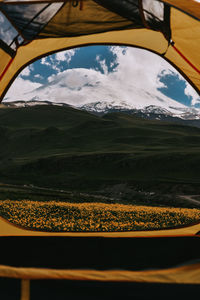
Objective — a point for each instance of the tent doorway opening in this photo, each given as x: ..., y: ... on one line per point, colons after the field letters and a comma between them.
x: 100, y: 139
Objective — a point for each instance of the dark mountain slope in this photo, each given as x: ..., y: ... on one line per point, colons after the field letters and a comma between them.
x: 67, y: 148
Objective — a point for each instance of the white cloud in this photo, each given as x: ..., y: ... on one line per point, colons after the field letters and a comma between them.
x: 21, y: 89
x: 138, y: 70
x: 38, y: 76
x: 65, y: 55
x: 190, y: 92
x: 26, y: 72
x: 80, y: 86
x: 55, y: 61
x: 73, y: 86
x: 144, y: 68
x: 102, y: 64
x: 31, y: 67
x: 50, y: 62
x: 60, y: 56
x: 135, y: 80
x: 44, y: 61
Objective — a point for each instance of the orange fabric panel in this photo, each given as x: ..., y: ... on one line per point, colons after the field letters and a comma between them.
x: 186, y: 36
x: 189, y: 274
x: 4, y: 61
x: 70, y: 21
x: 185, y: 33
x: 189, y: 6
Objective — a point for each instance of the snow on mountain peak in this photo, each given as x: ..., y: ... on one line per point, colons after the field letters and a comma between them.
x: 173, y: 108
x: 103, y: 106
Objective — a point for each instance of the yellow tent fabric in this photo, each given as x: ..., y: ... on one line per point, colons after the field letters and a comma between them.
x: 32, y: 29
x: 189, y: 274
x: 169, y: 28
x: 190, y: 7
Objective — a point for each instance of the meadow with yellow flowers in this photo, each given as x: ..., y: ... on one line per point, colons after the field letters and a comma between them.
x: 93, y: 217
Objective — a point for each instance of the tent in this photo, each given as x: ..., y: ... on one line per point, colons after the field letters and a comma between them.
x: 32, y: 29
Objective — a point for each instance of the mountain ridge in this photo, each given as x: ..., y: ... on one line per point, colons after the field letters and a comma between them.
x: 106, y: 107
x: 189, y: 116
x: 70, y: 149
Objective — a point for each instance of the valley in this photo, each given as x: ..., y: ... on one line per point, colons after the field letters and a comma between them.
x: 66, y: 155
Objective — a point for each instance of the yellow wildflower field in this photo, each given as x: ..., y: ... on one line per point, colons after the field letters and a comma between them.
x: 92, y: 217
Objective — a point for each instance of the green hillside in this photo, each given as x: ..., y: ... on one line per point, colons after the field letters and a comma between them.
x: 65, y: 148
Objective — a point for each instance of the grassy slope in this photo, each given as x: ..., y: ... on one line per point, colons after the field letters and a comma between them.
x: 67, y: 148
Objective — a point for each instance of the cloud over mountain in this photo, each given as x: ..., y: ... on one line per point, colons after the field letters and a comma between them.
x: 132, y: 75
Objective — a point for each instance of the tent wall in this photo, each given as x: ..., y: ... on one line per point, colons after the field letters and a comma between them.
x: 144, y: 38
x: 191, y: 7
x: 111, y: 29
x: 186, y: 35
x: 5, y: 58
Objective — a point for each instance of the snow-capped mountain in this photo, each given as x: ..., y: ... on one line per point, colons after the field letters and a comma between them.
x: 20, y: 104
x: 183, y: 113
x: 104, y: 107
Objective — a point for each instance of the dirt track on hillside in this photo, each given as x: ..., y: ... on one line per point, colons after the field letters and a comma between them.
x: 190, y: 198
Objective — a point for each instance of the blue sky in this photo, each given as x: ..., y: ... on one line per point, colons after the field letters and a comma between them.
x: 102, y: 73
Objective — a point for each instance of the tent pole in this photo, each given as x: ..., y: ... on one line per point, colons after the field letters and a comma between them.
x: 25, y: 289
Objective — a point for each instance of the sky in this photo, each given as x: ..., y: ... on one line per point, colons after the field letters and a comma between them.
x: 103, y: 73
